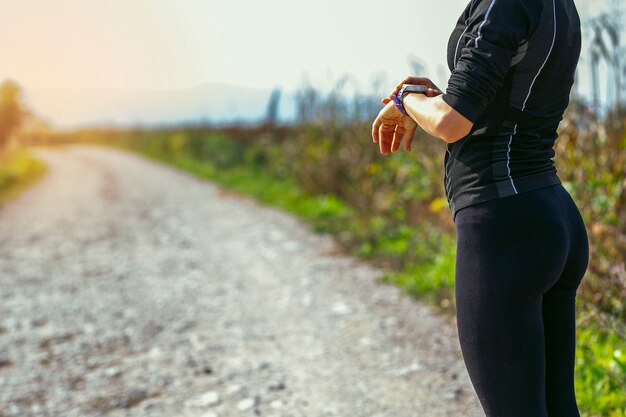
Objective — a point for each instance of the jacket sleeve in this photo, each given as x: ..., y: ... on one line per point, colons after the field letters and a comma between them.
x: 495, y: 30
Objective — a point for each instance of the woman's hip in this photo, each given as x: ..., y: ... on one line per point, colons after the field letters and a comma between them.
x: 524, y: 239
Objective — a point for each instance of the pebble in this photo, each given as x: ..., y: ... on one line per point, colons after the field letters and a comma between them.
x: 206, y: 400
x: 246, y: 403
x: 341, y: 309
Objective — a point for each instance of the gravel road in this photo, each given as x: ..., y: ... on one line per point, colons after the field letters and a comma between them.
x: 128, y: 288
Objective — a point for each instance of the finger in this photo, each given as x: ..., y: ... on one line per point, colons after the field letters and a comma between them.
x: 382, y: 139
x: 375, y: 127
x: 385, y: 137
x: 408, y: 138
x: 378, y: 122
x: 433, y: 92
x: 386, y: 100
x: 397, y: 138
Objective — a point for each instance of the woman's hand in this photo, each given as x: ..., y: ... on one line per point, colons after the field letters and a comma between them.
x: 391, y: 127
x: 432, y: 91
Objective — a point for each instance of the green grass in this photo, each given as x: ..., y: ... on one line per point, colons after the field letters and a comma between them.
x: 18, y: 170
x: 600, y: 369
x: 433, y: 278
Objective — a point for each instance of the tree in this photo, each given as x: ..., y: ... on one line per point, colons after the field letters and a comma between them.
x: 307, y: 99
x: 12, y: 111
x: 606, y: 46
x: 271, y: 115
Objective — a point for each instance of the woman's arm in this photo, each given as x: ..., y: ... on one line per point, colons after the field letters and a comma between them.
x: 436, y: 117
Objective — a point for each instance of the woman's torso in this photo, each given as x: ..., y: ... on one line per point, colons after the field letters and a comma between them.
x: 510, y: 147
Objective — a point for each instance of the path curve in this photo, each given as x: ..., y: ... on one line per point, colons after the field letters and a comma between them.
x: 128, y: 288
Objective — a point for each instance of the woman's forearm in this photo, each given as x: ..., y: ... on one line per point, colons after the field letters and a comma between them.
x: 436, y: 117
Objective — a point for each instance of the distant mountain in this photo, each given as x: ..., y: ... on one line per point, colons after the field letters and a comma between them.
x: 209, y: 102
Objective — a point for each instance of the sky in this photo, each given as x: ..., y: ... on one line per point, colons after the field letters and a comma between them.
x: 96, y: 51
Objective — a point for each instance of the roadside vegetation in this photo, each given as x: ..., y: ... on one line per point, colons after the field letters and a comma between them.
x: 18, y: 168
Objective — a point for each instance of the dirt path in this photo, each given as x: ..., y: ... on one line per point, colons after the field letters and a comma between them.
x: 128, y: 288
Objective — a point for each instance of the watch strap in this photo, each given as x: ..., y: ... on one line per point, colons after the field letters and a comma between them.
x: 397, y: 99
x: 403, y: 92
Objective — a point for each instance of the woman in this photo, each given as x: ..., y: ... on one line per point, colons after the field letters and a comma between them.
x: 522, y: 246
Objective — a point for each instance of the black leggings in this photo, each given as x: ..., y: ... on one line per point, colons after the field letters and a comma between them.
x: 519, y: 262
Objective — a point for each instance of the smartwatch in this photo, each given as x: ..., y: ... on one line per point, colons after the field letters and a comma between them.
x: 404, y: 90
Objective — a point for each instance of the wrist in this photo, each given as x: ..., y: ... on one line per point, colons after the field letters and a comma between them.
x: 411, y: 95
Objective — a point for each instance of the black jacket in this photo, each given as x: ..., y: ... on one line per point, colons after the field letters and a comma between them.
x: 513, y: 65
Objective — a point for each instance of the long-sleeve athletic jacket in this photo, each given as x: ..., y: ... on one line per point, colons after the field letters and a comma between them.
x: 513, y: 64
